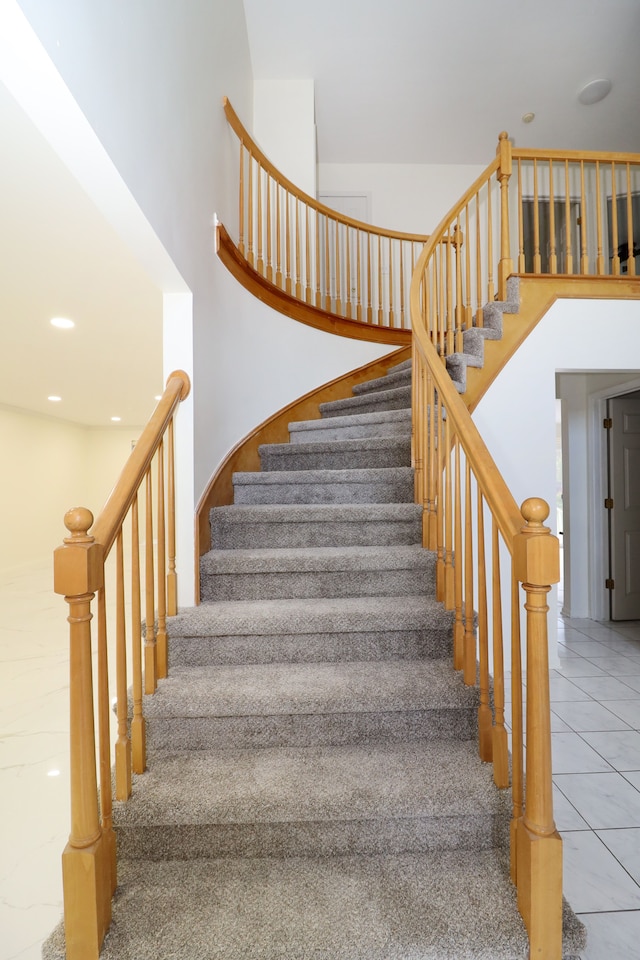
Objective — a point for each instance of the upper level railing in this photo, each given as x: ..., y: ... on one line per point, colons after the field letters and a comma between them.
x: 89, y: 861
x: 329, y: 261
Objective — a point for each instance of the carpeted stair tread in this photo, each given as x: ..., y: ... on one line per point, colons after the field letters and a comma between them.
x: 380, y: 423
x: 313, y: 784
x: 391, y: 380
x: 283, y: 689
x: 296, y: 525
x: 370, y: 485
x: 300, y: 559
x: 338, y: 454
x: 391, y: 399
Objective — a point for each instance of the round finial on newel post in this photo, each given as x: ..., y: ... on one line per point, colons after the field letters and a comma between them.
x: 535, y: 511
x: 503, y: 135
x: 77, y: 520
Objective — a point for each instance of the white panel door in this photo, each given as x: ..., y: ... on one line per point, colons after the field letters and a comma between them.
x: 625, y: 512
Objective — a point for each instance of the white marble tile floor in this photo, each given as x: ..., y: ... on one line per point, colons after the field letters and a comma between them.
x: 596, y: 742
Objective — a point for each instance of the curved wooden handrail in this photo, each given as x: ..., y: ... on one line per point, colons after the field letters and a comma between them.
x: 245, y: 137
x: 119, y: 502
x: 316, y: 256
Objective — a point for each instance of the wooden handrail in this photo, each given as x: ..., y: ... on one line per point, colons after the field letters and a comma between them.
x: 89, y: 859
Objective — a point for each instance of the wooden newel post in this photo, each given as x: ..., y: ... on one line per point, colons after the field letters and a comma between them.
x: 505, y: 265
x: 78, y: 574
x: 539, y: 846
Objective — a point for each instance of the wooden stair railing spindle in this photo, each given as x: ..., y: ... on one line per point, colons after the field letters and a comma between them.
x: 104, y: 747
x: 521, y: 258
x: 631, y: 261
x: 491, y: 292
x: 269, y: 231
x: 553, y: 256
x: 123, y: 744
x: 539, y: 855
x: 615, y: 259
x: 584, y: 254
x: 485, y: 719
x: 517, y: 726
x: 138, y: 723
x: 469, y: 670
x: 298, y: 253
x: 260, y: 263
x: 150, y: 648
x: 250, y: 212
x: 505, y: 266
x: 458, y: 627
x: 172, y: 576
x: 537, y: 260
x: 241, y: 202
x: 348, y: 284
x: 500, y: 745
x: 599, y: 250
x: 436, y: 453
x: 78, y: 574
x: 318, y: 290
x: 161, y: 637
x: 568, y: 260
x: 278, y: 237
x: 287, y: 242
x: 449, y: 573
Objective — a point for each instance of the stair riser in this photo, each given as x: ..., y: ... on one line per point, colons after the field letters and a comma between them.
x: 310, y: 839
x: 312, y: 584
x: 239, y: 536
x: 310, y: 647
x: 171, y: 734
x: 368, y: 403
x: 384, y: 491
x: 396, y: 455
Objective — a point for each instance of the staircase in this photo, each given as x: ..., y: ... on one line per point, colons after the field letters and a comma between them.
x: 314, y: 788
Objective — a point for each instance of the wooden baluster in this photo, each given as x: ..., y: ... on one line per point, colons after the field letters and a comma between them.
x: 369, y: 281
x: 584, y: 257
x: 449, y: 573
x: 468, y: 310
x: 568, y: 263
x: 449, y: 311
x: 150, y: 651
x: 172, y: 576
x: 440, y: 568
x: 287, y: 242
x: 78, y: 574
x: 517, y: 727
x: 505, y: 267
x: 400, y: 248
x: 269, y: 232
x: 539, y: 857
x: 298, y: 268
x: 392, y: 322
x: 338, y: 270
x: 537, y: 262
x: 241, y: 203
x: 380, y: 309
x: 615, y: 259
x: 485, y: 718
x: 479, y: 284
x: 500, y: 744
x: 161, y: 638
x: 250, y: 256
x: 417, y: 436
x: 458, y: 627
x: 553, y: 256
x: 327, y: 262
x: 469, y: 671
x: 278, y: 238
x: 348, y: 285
x: 104, y: 725
x: 457, y: 241
x: 442, y: 319
x: 600, y: 254
x: 521, y: 258
x: 631, y: 262
x: 260, y: 257
x: 307, y: 211
x: 358, y: 275
x: 432, y: 468
x: 318, y: 290
x: 138, y: 725
x: 123, y: 744
x: 491, y: 292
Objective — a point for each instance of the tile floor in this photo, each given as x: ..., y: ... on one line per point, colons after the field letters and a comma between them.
x: 596, y: 743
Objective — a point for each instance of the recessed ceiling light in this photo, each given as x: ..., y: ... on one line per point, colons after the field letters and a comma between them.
x: 159, y: 397
x: 53, y: 773
x: 528, y: 117
x: 54, y: 399
x: 116, y: 419
x: 62, y: 323
x: 594, y: 91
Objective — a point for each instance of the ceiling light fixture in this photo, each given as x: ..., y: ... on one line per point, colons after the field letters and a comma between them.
x: 594, y: 91
x: 62, y: 323
x: 528, y: 117
x: 54, y: 399
x: 116, y: 419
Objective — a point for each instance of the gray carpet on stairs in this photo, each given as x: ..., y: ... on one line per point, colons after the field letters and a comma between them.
x: 314, y: 789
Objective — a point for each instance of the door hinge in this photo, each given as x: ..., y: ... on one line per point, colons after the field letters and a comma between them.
x: 607, y: 423
x: 609, y: 584
x: 608, y: 504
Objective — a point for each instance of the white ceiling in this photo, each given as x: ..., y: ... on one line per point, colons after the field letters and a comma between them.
x: 427, y: 81
x: 410, y: 81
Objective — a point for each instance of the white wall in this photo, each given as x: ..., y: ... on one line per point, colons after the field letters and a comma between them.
x: 284, y: 128
x: 516, y: 417
x: 80, y: 465
x: 409, y: 197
